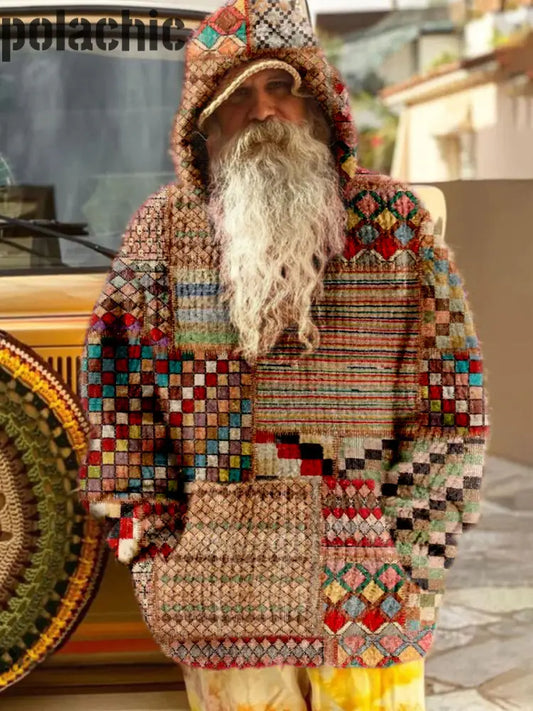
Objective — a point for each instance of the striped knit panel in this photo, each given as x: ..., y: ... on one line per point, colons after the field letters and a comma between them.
x: 200, y: 317
x: 364, y: 374
x: 201, y: 321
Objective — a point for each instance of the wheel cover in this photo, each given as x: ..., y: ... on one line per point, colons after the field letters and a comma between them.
x: 51, y: 552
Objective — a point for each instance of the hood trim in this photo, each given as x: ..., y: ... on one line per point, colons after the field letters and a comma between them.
x: 255, y: 67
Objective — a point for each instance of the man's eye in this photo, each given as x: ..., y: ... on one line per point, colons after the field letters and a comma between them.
x: 280, y: 86
x: 239, y: 95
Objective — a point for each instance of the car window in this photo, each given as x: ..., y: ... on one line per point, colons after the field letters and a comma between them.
x: 85, y: 140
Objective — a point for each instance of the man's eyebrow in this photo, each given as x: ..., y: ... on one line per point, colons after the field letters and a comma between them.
x: 279, y: 74
x: 273, y: 74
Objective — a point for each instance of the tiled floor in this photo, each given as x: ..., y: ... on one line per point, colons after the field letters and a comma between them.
x: 483, y: 655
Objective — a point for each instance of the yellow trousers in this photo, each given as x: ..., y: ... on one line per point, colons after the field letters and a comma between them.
x: 397, y: 688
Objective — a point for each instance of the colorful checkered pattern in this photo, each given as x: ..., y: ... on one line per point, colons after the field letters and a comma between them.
x: 150, y: 528
x: 430, y: 497
x: 209, y: 414
x: 131, y: 455
x: 279, y: 23
x: 447, y: 323
x: 280, y: 455
x: 125, y: 533
x: 452, y: 391
x: 366, y: 456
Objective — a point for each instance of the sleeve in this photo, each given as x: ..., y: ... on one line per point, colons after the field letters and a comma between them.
x: 131, y: 471
x: 432, y: 492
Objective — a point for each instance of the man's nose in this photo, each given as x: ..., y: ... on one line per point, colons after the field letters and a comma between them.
x: 263, y: 106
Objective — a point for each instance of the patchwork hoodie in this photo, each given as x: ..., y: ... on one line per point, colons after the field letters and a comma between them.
x: 302, y: 510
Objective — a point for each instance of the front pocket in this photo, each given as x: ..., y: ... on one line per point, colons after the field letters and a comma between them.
x: 245, y: 566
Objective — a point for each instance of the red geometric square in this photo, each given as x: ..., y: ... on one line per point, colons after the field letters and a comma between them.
x: 373, y: 620
x: 264, y: 437
x: 448, y: 405
x: 288, y: 451
x: 387, y: 246
x: 126, y: 528
x: 435, y: 392
x: 311, y: 467
x: 187, y: 406
x: 226, y: 21
x: 335, y: 620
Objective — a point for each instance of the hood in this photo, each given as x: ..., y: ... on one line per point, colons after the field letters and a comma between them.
x: 242, y: 31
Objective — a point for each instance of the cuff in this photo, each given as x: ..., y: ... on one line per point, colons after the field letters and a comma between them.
x: 150, y: 527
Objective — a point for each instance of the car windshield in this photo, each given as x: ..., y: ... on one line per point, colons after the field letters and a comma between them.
x: 84, y: 141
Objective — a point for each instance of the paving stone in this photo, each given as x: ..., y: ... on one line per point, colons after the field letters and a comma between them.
x: 436, y: 687
x: 460, y: 701
x: 492, y: 600
x: 520, y: 501
x: 475, y: 664
x: 524, y: 616
x: 513, y: 690
x: 503, y: 477
x: 449, y: 639
x: 456, y: 617
x: 506, y: 628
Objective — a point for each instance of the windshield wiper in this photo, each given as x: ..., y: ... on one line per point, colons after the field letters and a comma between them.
x: 33, y: 252
x: 32, y: 227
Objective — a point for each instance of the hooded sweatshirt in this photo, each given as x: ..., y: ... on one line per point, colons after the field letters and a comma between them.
x: 297, y: 511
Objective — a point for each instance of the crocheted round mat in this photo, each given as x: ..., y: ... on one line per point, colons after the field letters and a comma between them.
x: 51, y: 552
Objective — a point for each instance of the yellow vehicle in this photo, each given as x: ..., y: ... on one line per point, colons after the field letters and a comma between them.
x: 87, y: 108
x: 84, y: 142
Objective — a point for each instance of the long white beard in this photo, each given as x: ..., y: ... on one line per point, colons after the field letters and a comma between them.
x: 277, y: 211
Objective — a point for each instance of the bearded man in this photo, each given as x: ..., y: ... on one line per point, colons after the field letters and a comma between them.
x: 275, y: 205
x: 285, y: 389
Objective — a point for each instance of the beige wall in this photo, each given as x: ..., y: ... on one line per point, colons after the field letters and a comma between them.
x: 433, y: 46
x: 489, y: 229
x: 427, y: 161
x: 503, y: 128
x: 505, y: 150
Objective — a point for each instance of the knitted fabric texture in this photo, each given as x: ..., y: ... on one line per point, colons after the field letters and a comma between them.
x: 302, y: 511
x: 51, y: 552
